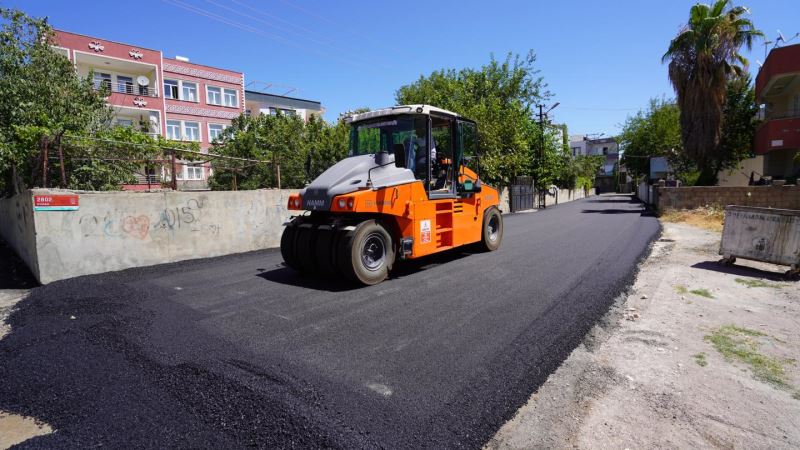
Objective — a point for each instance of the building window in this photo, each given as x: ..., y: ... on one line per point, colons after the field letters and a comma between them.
x: 193, y: 172
x: 231, y: 98
x: 215, y: 131
x: 174, y: 130
x: 102, y: 81
x: 213, y: 95
x: 188, y: 91
x: 191, y: 131
x: 605, y: 150
x: 125, y: 122
x: 285, y: 112
x: 124, y: 84
x: 171, y: 89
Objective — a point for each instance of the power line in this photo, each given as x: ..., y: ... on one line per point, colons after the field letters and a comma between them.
x: 302, y: 36
x: 253, y: 30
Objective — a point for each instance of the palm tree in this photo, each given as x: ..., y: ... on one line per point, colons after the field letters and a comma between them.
x: 702, y: 58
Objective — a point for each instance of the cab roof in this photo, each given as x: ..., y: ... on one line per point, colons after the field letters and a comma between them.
x: 400, y: 109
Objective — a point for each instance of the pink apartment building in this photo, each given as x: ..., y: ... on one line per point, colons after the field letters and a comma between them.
x: 172, y: 97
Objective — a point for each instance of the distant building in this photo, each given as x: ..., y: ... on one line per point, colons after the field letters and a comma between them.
x: 608, y: 147
x: 171, y: 97
x: 778, y: 137
x: 264, y: 103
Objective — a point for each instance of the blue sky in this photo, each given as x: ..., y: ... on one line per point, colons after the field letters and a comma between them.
x: 601, y: 59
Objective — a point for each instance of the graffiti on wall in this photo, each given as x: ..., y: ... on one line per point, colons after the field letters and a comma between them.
x: 187, y: 217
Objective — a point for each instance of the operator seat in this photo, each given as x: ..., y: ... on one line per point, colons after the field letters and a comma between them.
x: 400, y: 155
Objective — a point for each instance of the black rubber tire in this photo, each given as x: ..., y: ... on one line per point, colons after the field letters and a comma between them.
x: 305, y: 249
x: 353, y: 244
x: 491, y: 238
x: 326, y: 252
x: 288, y: 239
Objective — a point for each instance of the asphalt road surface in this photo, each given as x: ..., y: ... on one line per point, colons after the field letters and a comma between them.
x: 240, y: 351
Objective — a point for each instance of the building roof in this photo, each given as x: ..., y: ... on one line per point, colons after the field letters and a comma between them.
x: 282, y: 100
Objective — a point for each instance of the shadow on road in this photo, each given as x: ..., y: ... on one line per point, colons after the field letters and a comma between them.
x: 406, y: 268
x: 613, y: 211
x: 290, y: 277
x: 14, y: 274
x: 402, y: 269
x: 743, y: 271
x: 615, y: 199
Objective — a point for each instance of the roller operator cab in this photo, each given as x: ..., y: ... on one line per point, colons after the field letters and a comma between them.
x: 409, y: 188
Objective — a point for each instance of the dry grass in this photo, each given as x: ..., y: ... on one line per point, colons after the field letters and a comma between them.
x: 709, y: 217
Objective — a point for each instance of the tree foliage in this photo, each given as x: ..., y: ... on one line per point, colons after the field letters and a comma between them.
x: 500, y: 96
x: 284, y: 144
x: 41, y: 98
x: 654, y: 131
x: 703, y: 58
x: 739, y: 123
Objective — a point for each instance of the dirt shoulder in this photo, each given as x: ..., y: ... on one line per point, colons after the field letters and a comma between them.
x: 695, y: 356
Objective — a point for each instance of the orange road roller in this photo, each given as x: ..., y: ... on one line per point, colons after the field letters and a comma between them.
x: 409, y: 188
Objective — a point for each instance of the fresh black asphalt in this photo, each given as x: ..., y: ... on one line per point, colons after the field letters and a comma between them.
x: 239, y: 351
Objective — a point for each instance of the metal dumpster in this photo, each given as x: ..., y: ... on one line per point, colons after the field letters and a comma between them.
x: 762, y: 234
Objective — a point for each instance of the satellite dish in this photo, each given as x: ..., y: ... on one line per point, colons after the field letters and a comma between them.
x: 142, y: 80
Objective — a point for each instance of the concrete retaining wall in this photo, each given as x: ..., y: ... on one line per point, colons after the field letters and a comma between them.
x: 563, y: 196
x: 17, y: 229
x: 567, y: 195
x: 784, y: 197
x: 119, y: 230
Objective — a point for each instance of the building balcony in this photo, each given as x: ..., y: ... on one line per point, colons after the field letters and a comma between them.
x: 779, y: 72
x: 779, y: 134
x: 125, y: 88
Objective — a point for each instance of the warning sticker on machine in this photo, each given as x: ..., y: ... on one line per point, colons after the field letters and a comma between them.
x: 424, y: 231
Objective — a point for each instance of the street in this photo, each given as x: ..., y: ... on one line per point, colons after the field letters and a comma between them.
x: 241, y: 351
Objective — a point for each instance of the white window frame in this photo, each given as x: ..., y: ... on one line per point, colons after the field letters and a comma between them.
x: 217, y: 93
x: 194, y: 173
x: 177, y: 86
x: 190, y: 172
x: 183, y: 85
x: 222, y: 130
x: 230, y: 93
x: 177, y: 125
x: 186, y: 133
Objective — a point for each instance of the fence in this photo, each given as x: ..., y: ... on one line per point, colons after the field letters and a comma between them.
x: 661, y: 198
x: 98, y: 163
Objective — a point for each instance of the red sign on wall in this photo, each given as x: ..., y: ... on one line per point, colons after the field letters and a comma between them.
x: 67, y: 202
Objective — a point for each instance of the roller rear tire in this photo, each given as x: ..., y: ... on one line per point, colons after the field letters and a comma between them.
x: 305, y: 249
x: 288, y: 239
x: 366, y: 254
x: 325, y: 251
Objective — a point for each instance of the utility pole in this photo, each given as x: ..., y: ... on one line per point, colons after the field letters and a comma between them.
x: 540, y: 158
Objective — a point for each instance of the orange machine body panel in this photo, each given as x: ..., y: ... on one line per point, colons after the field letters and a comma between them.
x: 435, y: 225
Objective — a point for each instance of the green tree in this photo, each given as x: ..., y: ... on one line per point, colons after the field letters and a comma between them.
x: 702, y: 58
x: 41, y: 100
x: 499, y: 96
x: 285, y: 144
x: 739, y: 124
x: 112, y: 157
x: 652, y: 132
x: 327, y: 144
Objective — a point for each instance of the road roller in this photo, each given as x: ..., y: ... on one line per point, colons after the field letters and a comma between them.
x: 409, y: 188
